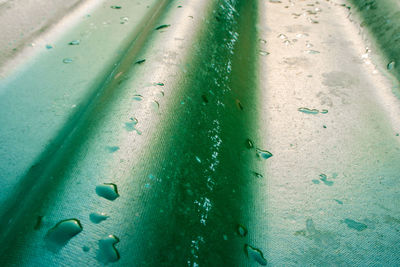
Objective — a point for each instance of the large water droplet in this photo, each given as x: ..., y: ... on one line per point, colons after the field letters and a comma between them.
x: 62, y: 232
x: 241, y: 230
x: 255, y: 254
x: 108, y: 191
x: 74, y: 42
x: 97, y: 217
x: 263, y: 153
x: 67, y: 60
x: 308, y: 111
x: 107, y: 250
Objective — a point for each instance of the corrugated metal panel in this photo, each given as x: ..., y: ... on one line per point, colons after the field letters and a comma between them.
x: 229, y: 128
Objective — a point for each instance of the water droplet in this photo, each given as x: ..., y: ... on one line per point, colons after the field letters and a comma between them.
x: 85, y: 248
x: 108, y: 191
x: 124, y: 20
x: 258, y: 175
x: 249, y: 144
x: 282, y: 36
x: 241, y: 230
x: 107, y: 250
x: 324, y: 126
x: 48, y: 46
x: 179, y: 6
x: 116, y: 7
x: 308, y: 111
x: 97, y: 217
x: 140, y: 61
x: 155, y: 105
x: 316, y: 181
x: 67, y: 60
x: 262, y: 41
x: 312, y: 52
x: 263, y: 53
x: 324, y: 179
x: 137, y: 97
x: 163, y: 26
x: 112, y: 149
x: 38, y: 222
x: 263, y: 153
x: 339, y: 201
x: 355, y: 225
x: 324, y: 111
x: 287, y: 42
x: 255, y: 254
x: 198, y: 159
x: 62, y: 232
x: 204, y: 97
x: 160, y: 84
x: 238, y: 104
x: 225, y: 237
x: 74, y: 42
x: 391, y: 65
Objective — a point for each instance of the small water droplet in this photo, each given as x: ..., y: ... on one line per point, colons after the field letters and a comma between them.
x: 241, y: 230
x: 48, y: 46
x: 239, y: 104
x: 263, y: 153
x: 108, y: 191
x: 137, y: 97
x: 255, y: 254
x: 324, y: 126
x: 107, y: 250
x: 179, y: 6
x: 62, y: 232
x: 308, y: 111
x: 140, y: 61
x: 38, y: 222
x: 97, y: 217
x: 204, y: 97
x: 249, y: 144
x: 198, y: 159
x: 312, y: 52
x: 155, y: 105
x: 74, y: 42
x: 391, y: 65
x: 355, y: 225
x: 258, y: 175
x: 112, y: 149
x: 324, y: 179
x: 315, y: 181
x: 85, y: 248
x: 339, y: 201
x: 263, y: 53
x: 225, y: 237
x: 116, y: 7
x: 163, y: 26
x: 324, y: 111
x: 262, y: 41
x: 124, y: 20
x: 67, y: 60
x: 282, y: 36
x: 160, y: 84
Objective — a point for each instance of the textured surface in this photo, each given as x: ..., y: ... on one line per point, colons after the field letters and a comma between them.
x: 169, y: 104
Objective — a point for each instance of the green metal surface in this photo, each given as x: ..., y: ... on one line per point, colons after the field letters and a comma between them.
x: 203, y: 133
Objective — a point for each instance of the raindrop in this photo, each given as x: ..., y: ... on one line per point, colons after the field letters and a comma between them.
x: 97, y: 217
x: 249, y: 144
x: 140, y: 61
x: 107, y: 250
x: 339, y: 201
x: 315, y: 181
x: 324, y: 111
x: 355, y: 225
x: 312, y: 52
x: 263, y: 53
x: 112, y: 149
x: 241, y: 230
x: 391, y: 65
x: 308, y: 111
x: 62, y: 232
x: 67, y: 60
x: 263, y: 153
x: 137, y: 97
x: 124, y: 20
x: 163, y: 26
x: 238, y: 104
x: 116, y: 7
x: 108, y: 191
x: 48, y: 46
x: 74, y: 42
x: 160, y: 84
x: 258, y: 175
x: 255, y: 254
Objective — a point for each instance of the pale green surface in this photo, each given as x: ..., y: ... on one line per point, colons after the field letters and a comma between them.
x: 187, y: 137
